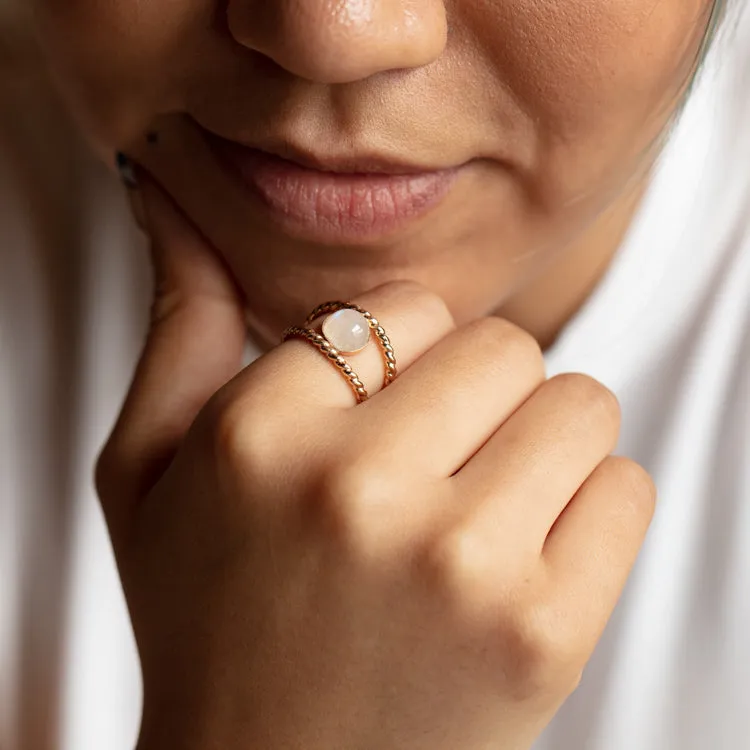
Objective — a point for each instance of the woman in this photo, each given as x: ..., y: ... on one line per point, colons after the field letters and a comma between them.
x: 419, y: 545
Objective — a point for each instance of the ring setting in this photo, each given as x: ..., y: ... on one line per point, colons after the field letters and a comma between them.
x: 347, y: 329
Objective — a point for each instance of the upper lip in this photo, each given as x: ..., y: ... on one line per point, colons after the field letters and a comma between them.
x: 346, y: 163
x: 362, y: 163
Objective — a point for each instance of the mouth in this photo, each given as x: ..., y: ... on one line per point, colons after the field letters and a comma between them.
x: 334, y: 199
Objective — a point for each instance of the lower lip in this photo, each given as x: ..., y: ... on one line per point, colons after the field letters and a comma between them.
x: 335, y: 207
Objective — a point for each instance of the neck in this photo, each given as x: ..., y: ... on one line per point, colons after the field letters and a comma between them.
x: 549, y: 301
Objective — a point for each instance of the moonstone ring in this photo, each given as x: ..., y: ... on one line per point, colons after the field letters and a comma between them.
x: 346, y: 329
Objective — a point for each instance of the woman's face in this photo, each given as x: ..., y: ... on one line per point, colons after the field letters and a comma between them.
x: 485, y: 134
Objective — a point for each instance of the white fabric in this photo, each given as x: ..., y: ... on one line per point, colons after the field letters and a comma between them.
x: 668, y: 329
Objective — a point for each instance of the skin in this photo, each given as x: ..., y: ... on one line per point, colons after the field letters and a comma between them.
x: 552, y: 137
x: 285, y: 553
x: 429, y: 569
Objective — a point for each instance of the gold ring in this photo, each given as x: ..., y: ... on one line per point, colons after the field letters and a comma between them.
x: 345, y: 332
x: 325, y: 346
x: 334, y: 308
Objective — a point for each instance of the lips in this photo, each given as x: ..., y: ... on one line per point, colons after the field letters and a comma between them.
x: 334, y: 200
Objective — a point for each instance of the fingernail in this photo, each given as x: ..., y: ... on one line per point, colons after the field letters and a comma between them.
x: 129, y: 177
x: 127, y: 171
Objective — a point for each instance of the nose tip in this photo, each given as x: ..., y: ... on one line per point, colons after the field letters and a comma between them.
x: 341, y: 41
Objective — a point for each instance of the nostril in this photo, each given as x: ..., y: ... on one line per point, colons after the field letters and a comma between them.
x: 342, y: 41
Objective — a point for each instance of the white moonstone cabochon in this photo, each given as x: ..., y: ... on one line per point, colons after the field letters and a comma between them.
x: 347, y: 330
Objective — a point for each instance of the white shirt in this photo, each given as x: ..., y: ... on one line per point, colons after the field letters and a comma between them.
x: 667, y: 329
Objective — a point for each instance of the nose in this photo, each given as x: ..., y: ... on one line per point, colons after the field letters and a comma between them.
x: 341, y: 41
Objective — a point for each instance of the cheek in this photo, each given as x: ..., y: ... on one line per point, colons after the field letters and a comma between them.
x: 559, y: 53
x: 118, y: 63
x: 598, y: 78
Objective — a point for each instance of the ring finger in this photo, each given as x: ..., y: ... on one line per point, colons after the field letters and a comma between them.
x: 414, y: 319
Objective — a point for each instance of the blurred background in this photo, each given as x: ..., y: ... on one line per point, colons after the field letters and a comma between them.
x: 73, y: 293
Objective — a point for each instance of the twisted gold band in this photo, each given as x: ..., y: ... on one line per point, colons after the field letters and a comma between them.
x: 389, y: 357
x: 325, y: 346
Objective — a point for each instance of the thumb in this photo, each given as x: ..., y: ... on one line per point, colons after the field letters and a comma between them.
x: 194, y: 346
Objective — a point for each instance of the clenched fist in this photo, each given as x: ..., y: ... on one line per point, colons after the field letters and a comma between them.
x: 428, y: 570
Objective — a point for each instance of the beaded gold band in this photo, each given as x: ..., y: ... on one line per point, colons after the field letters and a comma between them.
x: 362, y: 321
x: 389, y: 357
x: 325, y: 346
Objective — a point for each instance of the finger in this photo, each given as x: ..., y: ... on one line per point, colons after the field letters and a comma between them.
x: 592, y: 548
x: 303, y: 379
x: 440, y: 412
x: 194, y: 346
x: 521, y: 480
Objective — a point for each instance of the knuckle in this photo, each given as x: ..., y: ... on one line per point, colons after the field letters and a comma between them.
x: 427, y: 303
x: 542, y: 655
x: 591, y: 393
x: 237, y: 437
x: 461, y: 570
x: 419, y: 300
x: 635, y: 483
x: 501, y: 339
x: 446, y: 562
x: 225, y: 427
x: 347, y: 495
x: 538, y: 653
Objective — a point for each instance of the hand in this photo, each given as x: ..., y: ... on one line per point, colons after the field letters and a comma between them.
x: 429, y: 570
